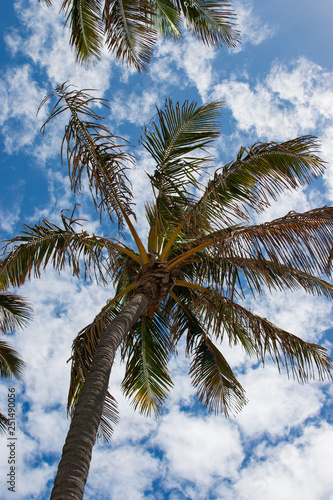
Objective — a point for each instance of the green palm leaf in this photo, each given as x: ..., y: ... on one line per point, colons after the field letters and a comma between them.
x: 84, y: 19
x: 217, y: 386
x: 234, y: 273
x: 129, y: 28
x: 39, y: 245
x: 10, y: 362
x: 212, y: 22
x: 14, y: 312
x: 130, y: 31
x: 177, y: 142
x: 109, y: 418
x: 183, y: 317
x: 167, y: 19
x: 302, y: 359
x: 259, y: 173
x: 180, y: 132
x: 300, y: 240
x: 147, y: 380
x: 260, y: 273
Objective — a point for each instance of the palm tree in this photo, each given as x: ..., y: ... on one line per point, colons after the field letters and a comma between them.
x: 14, y: 313
x: 202, y: 257
x: 129, y: 28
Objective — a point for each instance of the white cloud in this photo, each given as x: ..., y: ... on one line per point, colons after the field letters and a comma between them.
x: 294, y: 470
x: 252, y: 29
x: 206, y: 445
x: 135, y: 469
x: 161, y: 69
x: 295, y: 311
x: 289, y: 102
x: 134, y: 108
x: 8, y: 218
x: 185, y: 64
x: 197, y: 61
x: 20, y: 98
x: 46, y: 45
x: 276, y: 404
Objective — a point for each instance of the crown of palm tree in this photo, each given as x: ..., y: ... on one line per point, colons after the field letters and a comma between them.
x: 129, y: 28
x: 202, y: 257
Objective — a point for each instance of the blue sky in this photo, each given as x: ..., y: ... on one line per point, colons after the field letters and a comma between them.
x: 276, y: 86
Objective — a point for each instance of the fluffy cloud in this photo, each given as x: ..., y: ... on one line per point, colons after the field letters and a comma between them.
x: 298, y: 469
x: 8, y: 218
x: 134, y: 108
x: 290, y: 101
x: 20, y: 96
x: 253, y: 30
x: 46, y: 44
x: 204, y: 444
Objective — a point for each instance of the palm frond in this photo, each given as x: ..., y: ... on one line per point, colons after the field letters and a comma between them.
x: 238, y: 275
x: 167, y: 19
x: 184, y: 318
x: 92, y: 149
x: 10, y: 362
x: 303, y: 360
x: 130, y: 31
x: 37, y: 246
x: 85, y: 21
x: 178, y: 133
x: 130, y: 28
x: 14, y: 312
x: 177, y: 142
x: 147, y: 380
x: 211, y: 21
x: 3, y: 423
x: 217, y: 386
x: 300, y: 240
x: 47, y: 2
x: 260, y: 273
x: 258, y: 174
x: 109, y: 418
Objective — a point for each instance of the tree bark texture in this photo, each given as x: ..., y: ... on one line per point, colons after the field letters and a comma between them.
x: 76, y: 455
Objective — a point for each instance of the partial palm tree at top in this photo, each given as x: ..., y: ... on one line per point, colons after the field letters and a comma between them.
x: 14, y: 313
x: 129, y: 28
x: 203, y: 255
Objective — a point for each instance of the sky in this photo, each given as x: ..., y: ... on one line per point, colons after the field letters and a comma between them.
x: 276, y: 86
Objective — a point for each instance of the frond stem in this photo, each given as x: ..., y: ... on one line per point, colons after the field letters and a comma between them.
x: 174, y: 262
x: 190, y: 285
x: 170, y: 242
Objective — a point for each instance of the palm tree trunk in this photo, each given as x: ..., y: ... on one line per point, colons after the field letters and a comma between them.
x: 76, y: 455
